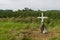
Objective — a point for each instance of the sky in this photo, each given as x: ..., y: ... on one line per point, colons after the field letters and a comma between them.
x: 33, y: 4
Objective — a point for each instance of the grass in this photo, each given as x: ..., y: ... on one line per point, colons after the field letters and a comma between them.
x: 5, y: 27
x: 10, y: 30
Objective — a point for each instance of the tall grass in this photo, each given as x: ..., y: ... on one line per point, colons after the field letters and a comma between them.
x: 10, y: 27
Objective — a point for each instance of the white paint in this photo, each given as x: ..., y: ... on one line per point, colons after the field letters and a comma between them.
x: 44, y: 31
x: 42, y: 18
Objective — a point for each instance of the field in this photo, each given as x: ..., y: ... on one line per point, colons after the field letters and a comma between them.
x: 29, y: 31
x: 24, y: 25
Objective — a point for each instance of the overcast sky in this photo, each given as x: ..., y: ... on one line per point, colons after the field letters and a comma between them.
x: 33, y: 4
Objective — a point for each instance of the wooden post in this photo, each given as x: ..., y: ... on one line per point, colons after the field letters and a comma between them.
x: 43, y: 28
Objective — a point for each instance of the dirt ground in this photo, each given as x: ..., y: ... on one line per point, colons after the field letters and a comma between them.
x: 35, y: 34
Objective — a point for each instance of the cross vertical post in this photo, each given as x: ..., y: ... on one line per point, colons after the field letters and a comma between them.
x: 43, y: 29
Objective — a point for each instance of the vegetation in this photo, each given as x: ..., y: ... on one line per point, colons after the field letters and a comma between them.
x: 24, y: 25
x: 26, y: 12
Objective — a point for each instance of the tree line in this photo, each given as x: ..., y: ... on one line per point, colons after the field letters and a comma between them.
x: 26, y: 12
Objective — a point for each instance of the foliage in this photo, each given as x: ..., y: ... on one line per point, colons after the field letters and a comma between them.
x: 54, y: 14
x: 13, y: 22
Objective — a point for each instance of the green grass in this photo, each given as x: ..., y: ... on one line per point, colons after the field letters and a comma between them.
x: 11, y: 29
x: 5, y: 27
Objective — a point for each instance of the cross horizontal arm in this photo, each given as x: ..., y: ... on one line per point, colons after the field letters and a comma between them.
x: 42, y: 17
x: 39, y: 17
x: 45, y: 17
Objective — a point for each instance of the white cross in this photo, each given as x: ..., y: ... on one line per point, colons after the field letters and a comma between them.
x: 42, y: 18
